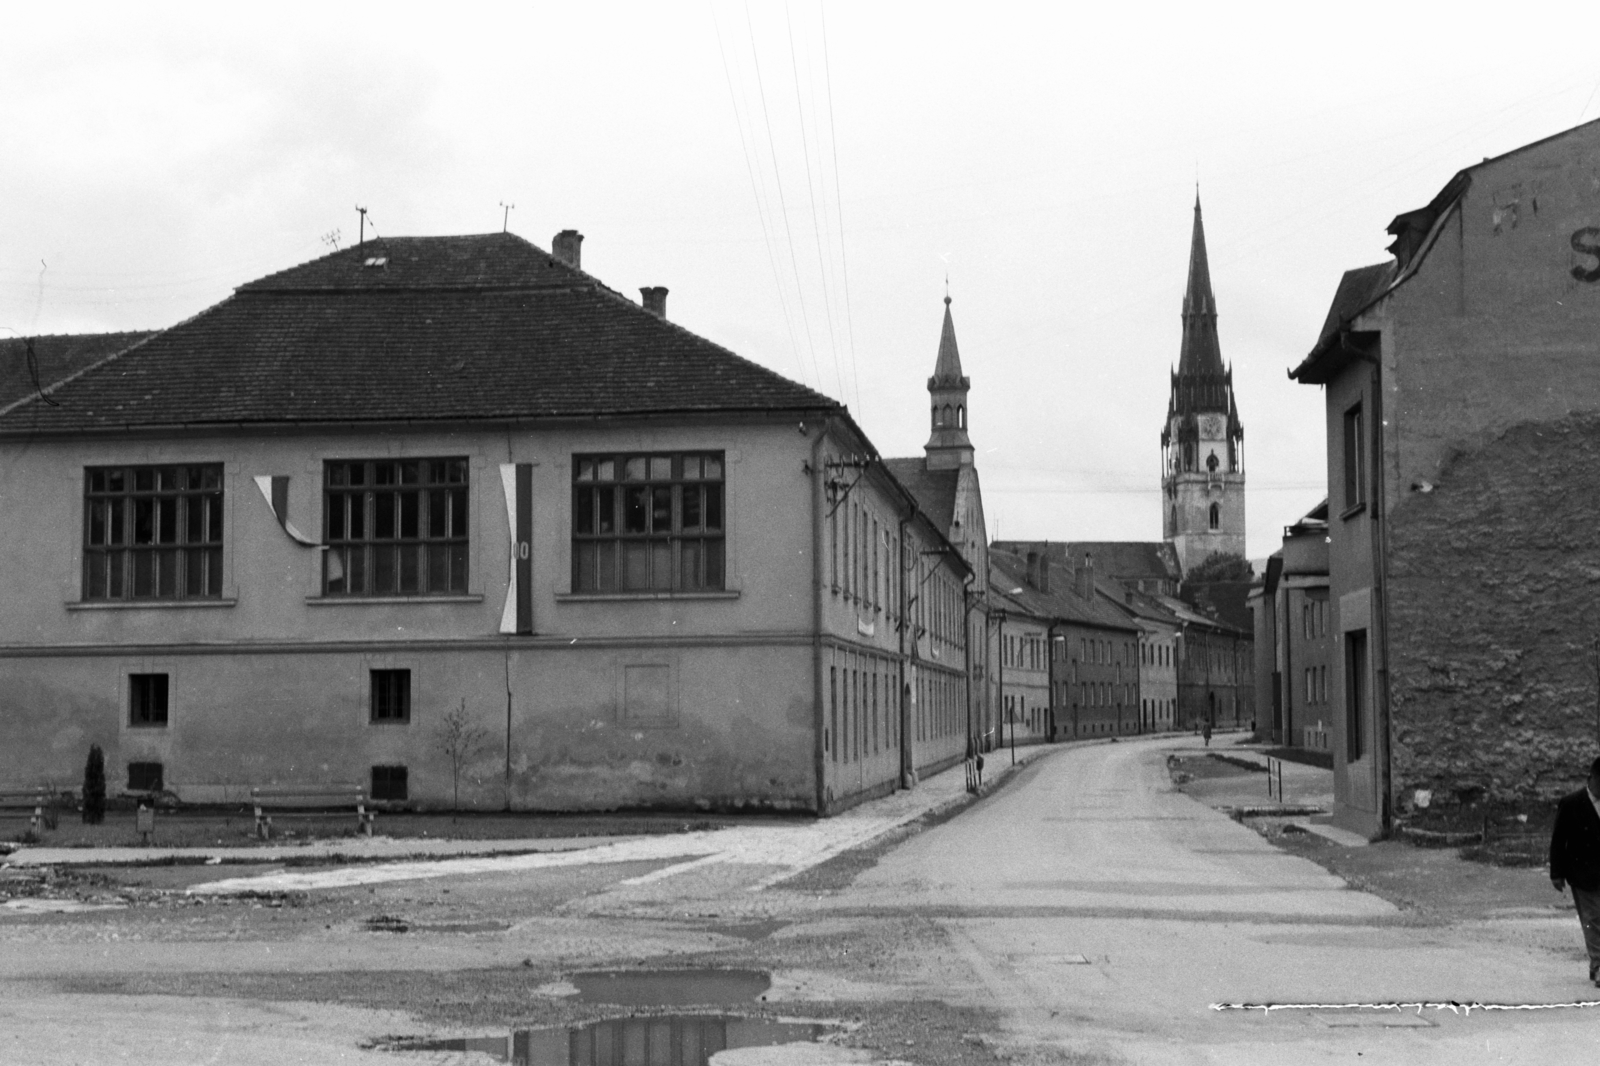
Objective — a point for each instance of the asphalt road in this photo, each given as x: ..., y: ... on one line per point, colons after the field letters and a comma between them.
x: 1109, y: 914
x: 1085, y: 913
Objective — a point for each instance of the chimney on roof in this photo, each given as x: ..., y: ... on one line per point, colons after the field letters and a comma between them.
x: 1086, y: 576
x: 568, y: 248
x: 655, y: 300
x: 1033, y: 571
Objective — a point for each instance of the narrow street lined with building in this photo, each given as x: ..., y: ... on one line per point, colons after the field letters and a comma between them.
x: 1087, y: 911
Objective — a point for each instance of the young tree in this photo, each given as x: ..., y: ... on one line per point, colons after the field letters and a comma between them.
x: 460, y: 740
x: 94, y: 787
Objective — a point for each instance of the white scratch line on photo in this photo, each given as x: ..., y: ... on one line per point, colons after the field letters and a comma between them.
x: 1453, y: 1006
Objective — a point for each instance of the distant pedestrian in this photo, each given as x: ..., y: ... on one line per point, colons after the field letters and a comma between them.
x: 1575, y: 860
x: 979, y: 761
x: 1205, y: 731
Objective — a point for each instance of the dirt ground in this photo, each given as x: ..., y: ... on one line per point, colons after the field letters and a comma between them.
x: 235, y: 826
x: 1431, y: 884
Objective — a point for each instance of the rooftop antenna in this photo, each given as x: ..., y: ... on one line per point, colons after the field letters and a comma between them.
x: 363, y: 212
x: 505, y: 221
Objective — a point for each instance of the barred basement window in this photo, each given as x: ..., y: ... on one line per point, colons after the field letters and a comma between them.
x: 647, y: 522
x: 152, y: 532
x: 389, y: 783
x: 146, y: 777
x: 395, y: 527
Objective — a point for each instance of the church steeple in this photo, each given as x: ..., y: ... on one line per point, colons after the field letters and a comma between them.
x: 948, y: 446
x: 1202, y: 440
x: 1200, y: 351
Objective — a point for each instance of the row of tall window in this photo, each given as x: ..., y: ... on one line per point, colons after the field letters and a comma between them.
x: 867, y: 565
x: 401, y: 527
x: 864, y: 556
x: 1157, y: 710
x: 1020, y: 715
x: 1155, y: 654
x: 1314, y: 618
x: 863, y: 710
x: 1104, y: 651
x: 1104, y: 694
x: 1025, y: 651
x: 1316, y: 684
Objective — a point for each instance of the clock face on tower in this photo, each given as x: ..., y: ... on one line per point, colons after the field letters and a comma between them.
x: 1212, y: 427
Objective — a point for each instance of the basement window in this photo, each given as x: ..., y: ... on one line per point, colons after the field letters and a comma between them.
x: 146, y: 777
x: 389, y: 783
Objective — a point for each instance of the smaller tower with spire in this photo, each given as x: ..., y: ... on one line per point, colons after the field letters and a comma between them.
x: 1202, y: 442
x: 948, y: 447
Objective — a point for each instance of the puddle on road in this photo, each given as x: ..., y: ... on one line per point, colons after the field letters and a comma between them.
x: 664, y: 1040
x: 670, y: 988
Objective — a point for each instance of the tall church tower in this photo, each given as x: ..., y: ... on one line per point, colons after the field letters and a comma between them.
x: 1202, y: 443
x: 948, y: 447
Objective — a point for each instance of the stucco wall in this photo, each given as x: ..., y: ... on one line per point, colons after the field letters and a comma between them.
x: 273, y: 683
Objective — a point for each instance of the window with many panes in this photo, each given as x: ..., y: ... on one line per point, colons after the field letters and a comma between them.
x: 395, y: 527
x: 644, y: 523
x: 152, y: 532
x: 390, y: 696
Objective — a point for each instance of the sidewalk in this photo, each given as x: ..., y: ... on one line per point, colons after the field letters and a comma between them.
x: 346, y: 861
x: 1306, y: 798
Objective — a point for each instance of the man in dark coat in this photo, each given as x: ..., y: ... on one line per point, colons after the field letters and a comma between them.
x: 1575, y: 860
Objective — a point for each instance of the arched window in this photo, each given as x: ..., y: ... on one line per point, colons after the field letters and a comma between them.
x: 947, y: 421
x: 936, y: 416
x: 961, y: 416
x: 1216, y: 515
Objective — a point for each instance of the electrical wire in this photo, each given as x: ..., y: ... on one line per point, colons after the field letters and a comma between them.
x: 783, y: 202
x: 838, y: 215
x: 755, y: 192
x: 811, y: 192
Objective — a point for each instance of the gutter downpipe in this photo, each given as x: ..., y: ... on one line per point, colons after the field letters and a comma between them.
x: 966, y: 650
x: 820, y: 763
x: 1380, y: 578
x: 908, y: 758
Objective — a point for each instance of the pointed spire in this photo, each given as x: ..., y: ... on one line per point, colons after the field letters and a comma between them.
x: 948, y: 446
x: 948, y: 366
x: 1201, y: 352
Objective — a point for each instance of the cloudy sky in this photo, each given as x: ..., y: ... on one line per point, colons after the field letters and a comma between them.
x: 803, y: 178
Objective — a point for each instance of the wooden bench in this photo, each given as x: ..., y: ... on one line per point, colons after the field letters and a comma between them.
x: 309, y: 801
x: 26, y: 803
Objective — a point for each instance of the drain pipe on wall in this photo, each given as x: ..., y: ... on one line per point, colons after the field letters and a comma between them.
x: 908, y: 756
x: 820, y: 715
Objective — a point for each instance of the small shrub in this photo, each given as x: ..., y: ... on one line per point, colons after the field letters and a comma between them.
x: 94, y: 787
